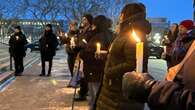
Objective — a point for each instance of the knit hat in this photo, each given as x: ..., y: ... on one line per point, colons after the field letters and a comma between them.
x: 89, y: 17
x: 17, y: 27
x: 188, y: 24
x: 49, y: 25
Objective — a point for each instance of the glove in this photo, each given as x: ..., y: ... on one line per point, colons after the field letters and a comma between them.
x: 137, y: 86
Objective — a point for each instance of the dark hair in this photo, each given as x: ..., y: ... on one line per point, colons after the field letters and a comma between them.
x: 73, y: 22
x: 132, y: 12
x: 173, y: 36
x: 18, y: 27
x: 102, y: 23
x: 89, y: 17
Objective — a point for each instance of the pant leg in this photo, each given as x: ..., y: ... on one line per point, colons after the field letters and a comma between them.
x: 83, y: 87
x: 50, y: 66
x: 71, y: 61
x: 21, y: 66
x: 43, y: 65
x: 93, y: 89
x: 16, y: 64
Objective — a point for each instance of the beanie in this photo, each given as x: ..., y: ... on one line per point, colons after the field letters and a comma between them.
x: 188, y: 24
x: 17, y: 27
x: 89, y: 17
x: 49, y: 25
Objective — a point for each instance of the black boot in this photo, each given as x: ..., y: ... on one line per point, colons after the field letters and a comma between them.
x: 42, y: 73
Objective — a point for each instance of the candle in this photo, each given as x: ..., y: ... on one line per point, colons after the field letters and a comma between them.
x: 139, y: 53
x: 65, y: 34
x: 17, y: 37
x: 98, y: 48
x: 84, y: 41
x: 72, y: 42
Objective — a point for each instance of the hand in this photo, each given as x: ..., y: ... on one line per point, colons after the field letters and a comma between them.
x: 102, y: 55
x: 137, y: 85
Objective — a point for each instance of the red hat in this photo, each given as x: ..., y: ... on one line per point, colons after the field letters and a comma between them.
x: 189, y: 24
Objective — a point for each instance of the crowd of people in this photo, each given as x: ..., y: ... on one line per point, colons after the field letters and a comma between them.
x: 107, y: 76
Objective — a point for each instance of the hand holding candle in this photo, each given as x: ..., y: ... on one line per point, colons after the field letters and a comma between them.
x: 72, y: 42
x: 17, y: 37
x: 98, y: 48
x: 139, y: 53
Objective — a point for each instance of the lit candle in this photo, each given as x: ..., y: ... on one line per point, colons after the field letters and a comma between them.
x: 17, y: 37
x: 98, y: 48
x: 72, y: 42
x: 139, y: 53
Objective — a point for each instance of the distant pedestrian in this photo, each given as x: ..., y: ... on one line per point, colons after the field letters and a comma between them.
x: 184, y: 40
x: 94, y: 65
x: 48, y: 45
x: 169, y: 43
x: 85, y: 34
x: 66, y: 39
x: 17, y: 49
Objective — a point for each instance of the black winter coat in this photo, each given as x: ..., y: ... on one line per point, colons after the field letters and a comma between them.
x: 48, y: 44
x: 121, y: 59
x: 17, y: 44
x: 93, y: 67
x: 66, y: 40
x: 167, y: 95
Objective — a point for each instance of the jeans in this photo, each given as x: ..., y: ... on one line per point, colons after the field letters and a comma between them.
x: 93, y: 89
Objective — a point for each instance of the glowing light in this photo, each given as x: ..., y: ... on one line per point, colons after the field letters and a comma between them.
x: 137, y: 39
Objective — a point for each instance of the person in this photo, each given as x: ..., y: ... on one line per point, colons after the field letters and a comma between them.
x: 17, y: 49
x: 72, y: 54
x: 85, y: 34
x: 159, y: 95
x: 48, y: 44
x: 121, y: 59
x: 93, y: 64
x: 183, y: 41
x: 169, y: 42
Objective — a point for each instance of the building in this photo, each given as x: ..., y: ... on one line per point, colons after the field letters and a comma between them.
x: 33, y: 29
x: 160, y: 26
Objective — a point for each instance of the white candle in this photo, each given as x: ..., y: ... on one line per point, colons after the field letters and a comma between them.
x: 98, y: 48
x: 17, y: 37
x: 72, y: 42
x: 139, y: 53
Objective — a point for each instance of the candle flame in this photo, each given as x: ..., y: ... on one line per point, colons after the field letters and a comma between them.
x: 98, y: 44
x: 137, y: 39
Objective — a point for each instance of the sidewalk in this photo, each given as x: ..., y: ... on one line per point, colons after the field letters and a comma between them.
x: 31, y: 92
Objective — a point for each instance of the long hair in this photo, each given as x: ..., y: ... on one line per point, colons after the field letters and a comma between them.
x: 131, y: 12
x: 173, y: 36
x: 102, y: 23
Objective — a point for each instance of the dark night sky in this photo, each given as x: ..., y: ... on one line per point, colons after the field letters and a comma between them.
x: 174, y: 10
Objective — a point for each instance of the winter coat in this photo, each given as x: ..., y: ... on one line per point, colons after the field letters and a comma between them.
x: 181, y: 47
x: 121, y: 59
x: 66, y: 40
x: 48, y: 44
x: 93, y: 67
x: 166, y: 95
x: 17, y: 44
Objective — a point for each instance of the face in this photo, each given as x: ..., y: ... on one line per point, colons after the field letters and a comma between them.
x: 47, y: 28
x: 93, y: 27
x: 72, y: 27
x: 182, y: 29
x: 84, y: 22
x: 17, y: 30
x: 121, y: 18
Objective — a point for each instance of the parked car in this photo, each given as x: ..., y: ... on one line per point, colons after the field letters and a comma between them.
x: 155, y: 50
